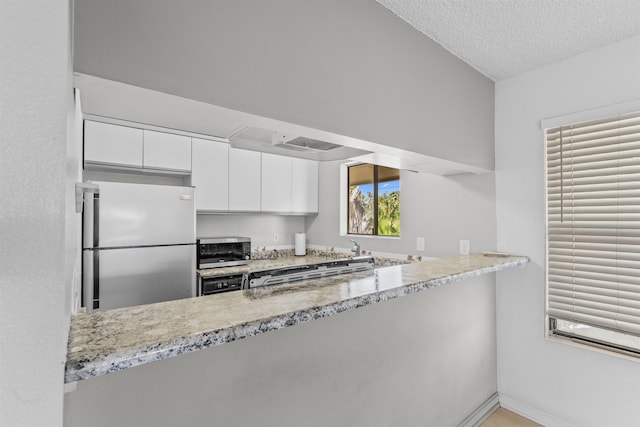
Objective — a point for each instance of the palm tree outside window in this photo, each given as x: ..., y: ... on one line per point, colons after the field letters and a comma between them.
x: 374, y: 200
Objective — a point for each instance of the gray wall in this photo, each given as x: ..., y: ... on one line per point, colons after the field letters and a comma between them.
x: 37, y: 226
x: 443, y: 210
x: 351, y: 68
x: 553, y: 382
x: 348, y: 67
x: 423, y: 360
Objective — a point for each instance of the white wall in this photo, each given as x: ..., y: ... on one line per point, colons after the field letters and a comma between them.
x: 422, y: 360
x: 443, y: 210
x: 579, y: 386
x: 36, y: 263
x: 261, y: 228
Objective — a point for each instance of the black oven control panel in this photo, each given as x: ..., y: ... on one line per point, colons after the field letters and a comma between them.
x: 218, y: 284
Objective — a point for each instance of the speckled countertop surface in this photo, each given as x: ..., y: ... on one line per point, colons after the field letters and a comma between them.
x: 112, y: 340
x: 262, y: 264
x: 283, y: 258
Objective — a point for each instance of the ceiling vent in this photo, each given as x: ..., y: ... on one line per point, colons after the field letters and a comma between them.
x: 280, y: 139
x: 302, y: 143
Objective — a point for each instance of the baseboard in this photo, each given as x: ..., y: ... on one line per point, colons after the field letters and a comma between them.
x: 533, y: 414
x: 482, y: 412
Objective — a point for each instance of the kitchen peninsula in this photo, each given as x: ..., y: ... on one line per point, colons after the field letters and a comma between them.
x: 113, y: 340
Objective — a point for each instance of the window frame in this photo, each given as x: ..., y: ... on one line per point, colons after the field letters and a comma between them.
x: 375, y: 184
x: 589, y: 339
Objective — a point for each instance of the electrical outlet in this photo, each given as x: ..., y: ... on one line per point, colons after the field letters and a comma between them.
x: 419, y: 243
x: 465, y: 247
x: 276, y: 237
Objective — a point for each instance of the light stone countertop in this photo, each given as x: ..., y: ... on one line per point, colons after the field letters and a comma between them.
x: 112, y: 340
x: 285, y: 258
x: 263, y: 264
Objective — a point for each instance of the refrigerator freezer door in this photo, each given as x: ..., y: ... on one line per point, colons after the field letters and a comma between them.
x: 137, y: 276
x: 142, y: 215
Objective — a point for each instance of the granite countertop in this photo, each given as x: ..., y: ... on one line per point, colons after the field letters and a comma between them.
x: 263, y: 264
x: 112, y: 340
x: 285, y: 258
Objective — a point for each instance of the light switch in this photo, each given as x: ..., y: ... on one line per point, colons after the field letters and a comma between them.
x: 465, y: 247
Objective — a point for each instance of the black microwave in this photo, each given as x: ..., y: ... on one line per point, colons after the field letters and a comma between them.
x: 223, y: 251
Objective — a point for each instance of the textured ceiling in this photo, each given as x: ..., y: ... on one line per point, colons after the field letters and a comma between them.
x: 503, y: 38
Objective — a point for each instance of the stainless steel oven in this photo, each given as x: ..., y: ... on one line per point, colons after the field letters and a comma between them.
x: 223, y: 251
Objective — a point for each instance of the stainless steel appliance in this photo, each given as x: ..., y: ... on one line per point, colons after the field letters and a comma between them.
x: 223, y: 251
x: 276, y: 276
x: 138, y: 245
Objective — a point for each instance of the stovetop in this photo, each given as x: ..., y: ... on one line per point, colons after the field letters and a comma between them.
x: 288, y: 269
x: 292, y: 273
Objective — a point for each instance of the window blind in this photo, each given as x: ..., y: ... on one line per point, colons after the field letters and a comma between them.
x: 593, y: 226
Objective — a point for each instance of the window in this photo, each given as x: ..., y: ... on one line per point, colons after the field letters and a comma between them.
x: 374, y: 200
x: 593, y: 232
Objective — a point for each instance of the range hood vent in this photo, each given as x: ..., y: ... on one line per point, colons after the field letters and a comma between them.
x: 282, y: 140
x: 302, y: 143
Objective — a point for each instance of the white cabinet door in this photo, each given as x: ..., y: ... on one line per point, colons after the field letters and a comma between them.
x: 276, y: 183
x: 304, y: 186
x: 210, y: 174
x: 244, y: 180
x: 166, y: 151
x: 108, y: 144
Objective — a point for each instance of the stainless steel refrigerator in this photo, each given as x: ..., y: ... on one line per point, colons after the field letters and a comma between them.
x: 138, y: 245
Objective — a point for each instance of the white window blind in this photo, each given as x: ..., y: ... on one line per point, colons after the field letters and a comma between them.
x: 593, y: 231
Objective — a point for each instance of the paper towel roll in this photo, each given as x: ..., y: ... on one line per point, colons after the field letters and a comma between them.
x: 301, y: 244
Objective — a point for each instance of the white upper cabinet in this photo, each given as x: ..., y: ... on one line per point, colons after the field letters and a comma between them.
x: 226, y: 179
x: 304, y: 186
x: 166, y: 151
x: 210, y: 174
x: 276, y: 183
x: 289, y: 185
x: 244, y: 180
x: 124, y: 147
x: 107, y: 144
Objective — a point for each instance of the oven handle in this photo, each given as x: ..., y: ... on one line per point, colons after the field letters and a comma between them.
x: 96, y: 252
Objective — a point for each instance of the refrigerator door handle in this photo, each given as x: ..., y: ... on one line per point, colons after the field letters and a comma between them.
x: 96, y: 252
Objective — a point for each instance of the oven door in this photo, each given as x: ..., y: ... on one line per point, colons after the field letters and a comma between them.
x: 213, y: 254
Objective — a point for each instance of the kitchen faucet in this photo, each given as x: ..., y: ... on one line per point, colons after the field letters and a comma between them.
x: 356, y: 247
